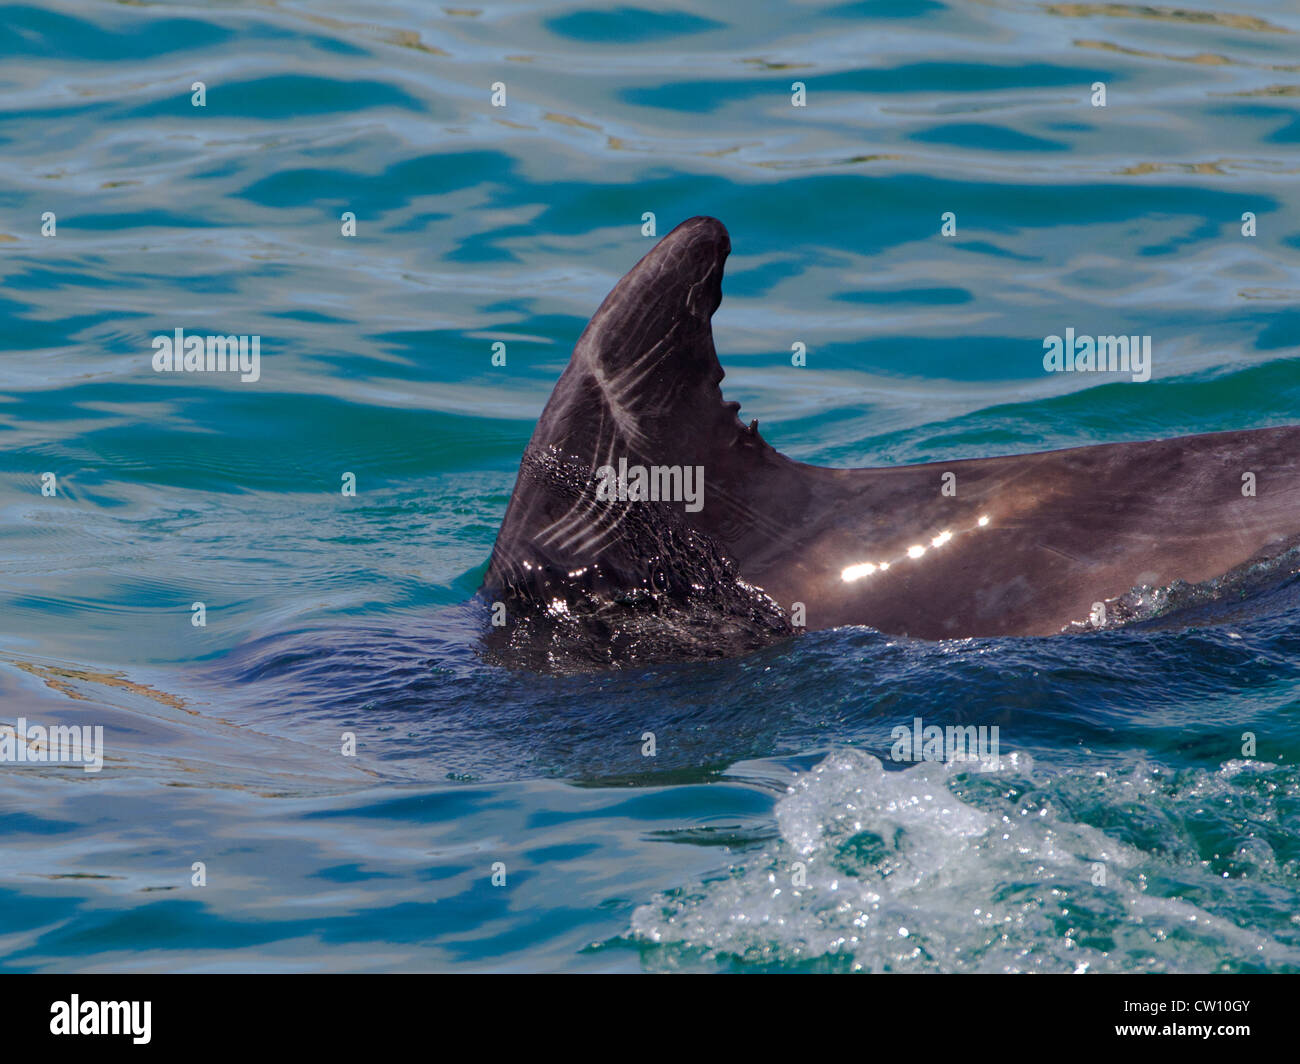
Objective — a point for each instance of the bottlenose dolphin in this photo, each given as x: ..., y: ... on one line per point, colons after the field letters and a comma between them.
x: 649, y: 523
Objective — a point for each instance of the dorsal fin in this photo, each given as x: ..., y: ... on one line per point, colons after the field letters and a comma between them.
x: 645, y: 362
x: 1029, y: 545
x: 642, y: 387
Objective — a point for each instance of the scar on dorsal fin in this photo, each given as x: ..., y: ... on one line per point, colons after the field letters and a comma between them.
x: 647, y: 355
x: 642, y: 385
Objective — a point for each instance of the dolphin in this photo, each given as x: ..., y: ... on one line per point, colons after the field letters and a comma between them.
x: 649, y: 523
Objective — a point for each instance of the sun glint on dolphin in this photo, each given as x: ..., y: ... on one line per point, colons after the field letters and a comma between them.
x: 649, y: 523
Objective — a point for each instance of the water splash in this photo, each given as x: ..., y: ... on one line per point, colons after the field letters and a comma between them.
x: 939, y: 868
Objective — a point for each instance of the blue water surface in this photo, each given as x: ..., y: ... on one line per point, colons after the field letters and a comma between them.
x: 1146, y: 813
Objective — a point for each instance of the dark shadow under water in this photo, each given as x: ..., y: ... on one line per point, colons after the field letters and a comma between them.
x: 425, y: 704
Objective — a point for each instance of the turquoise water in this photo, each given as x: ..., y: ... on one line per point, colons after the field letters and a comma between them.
x: 329, y: 614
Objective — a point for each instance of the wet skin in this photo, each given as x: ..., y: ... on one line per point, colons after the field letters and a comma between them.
x: 1020, y: 545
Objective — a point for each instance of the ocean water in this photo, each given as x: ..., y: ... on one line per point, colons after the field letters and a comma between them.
x: 1130, y: 824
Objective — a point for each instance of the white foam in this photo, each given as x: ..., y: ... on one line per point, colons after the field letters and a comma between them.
x: 900, y: 874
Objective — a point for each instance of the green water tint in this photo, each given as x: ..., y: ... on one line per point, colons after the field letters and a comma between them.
x: 477, y: 225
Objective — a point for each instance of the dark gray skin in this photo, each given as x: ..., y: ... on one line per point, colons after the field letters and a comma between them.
x: 1064, y: 530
